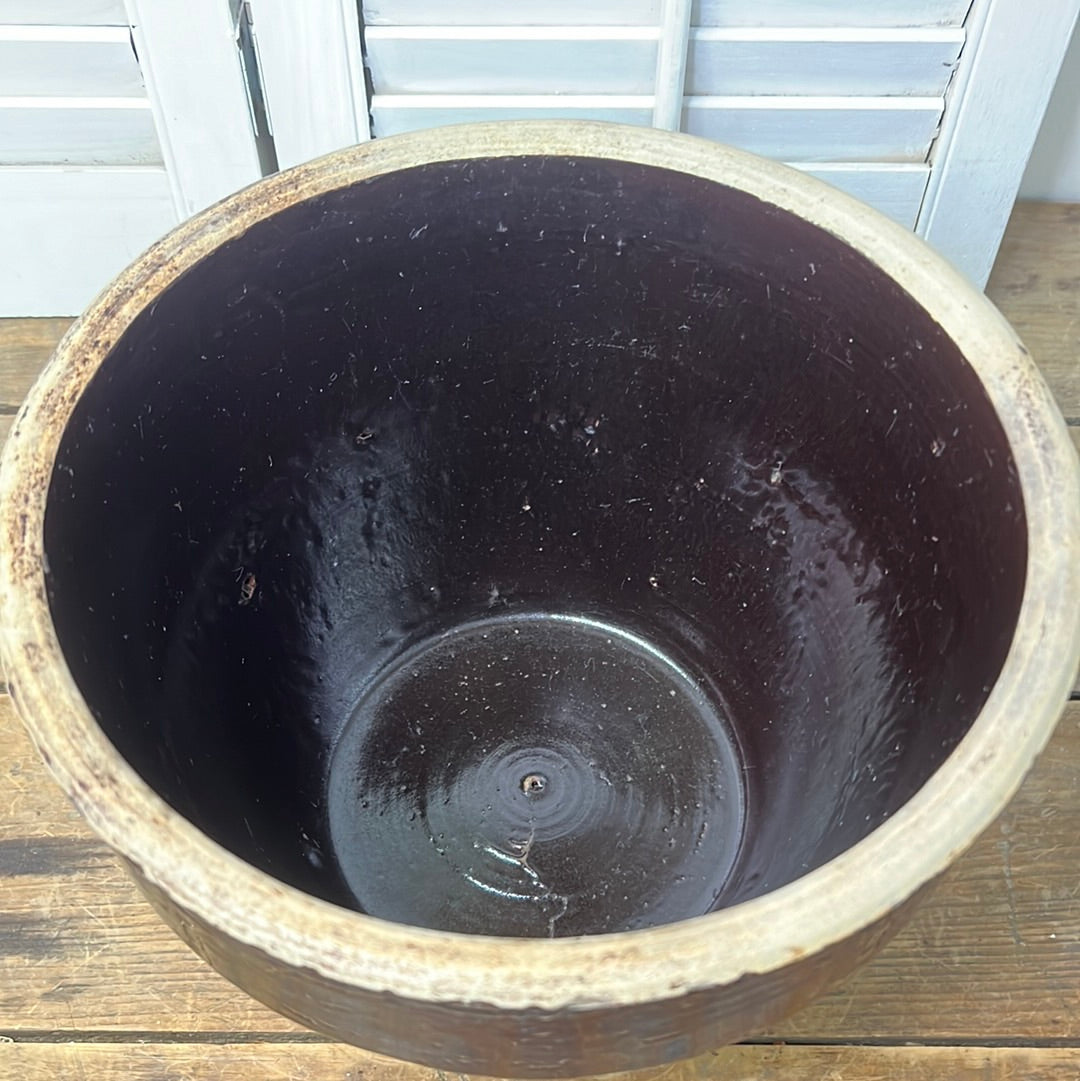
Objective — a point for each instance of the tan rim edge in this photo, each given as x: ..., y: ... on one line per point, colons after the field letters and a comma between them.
x: 825, y: 906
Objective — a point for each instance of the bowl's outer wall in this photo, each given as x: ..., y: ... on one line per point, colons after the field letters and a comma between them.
x: 475, y: 1038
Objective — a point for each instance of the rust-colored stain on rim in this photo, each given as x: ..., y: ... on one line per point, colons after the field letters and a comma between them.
x: 846, y: 899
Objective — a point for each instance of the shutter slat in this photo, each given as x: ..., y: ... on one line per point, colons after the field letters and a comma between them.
x: 63, y: 12
x: 819, y: 129
x: 622, y: 60
x: 821, y: 13
x: 829, y: 12
x: 77, y: 131
x: 113, y: 213
x: 312, y: 75
x: 863, y: 63
x: 485, y: 13
x: 571, y: 60
x: 68, y: 61
x: 895, y: 190
x: 794, y: 129
x: 393, y: 114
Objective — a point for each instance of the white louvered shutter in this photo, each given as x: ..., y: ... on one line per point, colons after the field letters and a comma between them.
x: 102, y: 151
x: 926, y: 109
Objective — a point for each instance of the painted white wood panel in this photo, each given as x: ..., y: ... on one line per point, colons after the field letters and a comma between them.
x: 54, y: 61
x: 393, y: 114
x: 515, y: 13
x: 63, y: 12
x: 813, y: 61
x: 790, y: 129
x: 622, y: 60
x: 896, y: 190
x: 647, y: 12
x: 196, y: 86
x: 997, y: 102
x: 819, y: 129
x: 312, y: 74
x: 829, y: 12
x: 512, y: 60
x: 77, y: 131
x: 82, y: 226
x: 671, y: 64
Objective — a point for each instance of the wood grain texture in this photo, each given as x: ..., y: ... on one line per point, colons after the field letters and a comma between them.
x: 25, y: 347
x: 334, y: 1062
x: 1036, y: 284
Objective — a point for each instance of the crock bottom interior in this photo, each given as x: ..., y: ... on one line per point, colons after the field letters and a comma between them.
x: 535, y: 546
x: 575, y: 772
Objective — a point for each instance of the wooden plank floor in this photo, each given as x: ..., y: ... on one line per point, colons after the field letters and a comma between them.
x: 984, y: 984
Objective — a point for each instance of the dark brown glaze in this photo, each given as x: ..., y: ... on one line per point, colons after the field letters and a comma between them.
x: 473, y: 1037
x: 635, y: 417
x: 576, y: 782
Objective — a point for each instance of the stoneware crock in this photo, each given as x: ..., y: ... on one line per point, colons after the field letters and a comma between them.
x: 543, y: 598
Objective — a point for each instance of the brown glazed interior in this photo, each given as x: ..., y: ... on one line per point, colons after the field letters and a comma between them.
x: 535, y: 546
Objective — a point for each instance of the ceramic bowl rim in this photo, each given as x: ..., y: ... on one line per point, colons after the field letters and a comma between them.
x: 824, y: 907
